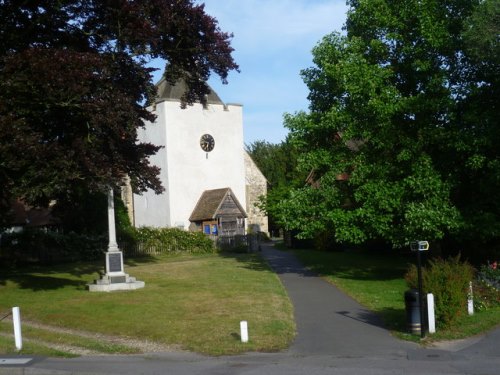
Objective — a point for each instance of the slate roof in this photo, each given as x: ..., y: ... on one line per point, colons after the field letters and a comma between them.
x: 210, y: 202
x: 166, y: 91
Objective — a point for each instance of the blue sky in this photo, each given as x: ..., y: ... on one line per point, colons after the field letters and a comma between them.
x: 273, y: 40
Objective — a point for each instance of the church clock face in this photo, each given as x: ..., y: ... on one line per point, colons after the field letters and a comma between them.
x: 207, y: 142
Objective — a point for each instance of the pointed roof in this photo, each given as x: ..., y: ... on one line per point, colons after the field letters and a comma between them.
x: 167, y: 91
x: 210, y: 203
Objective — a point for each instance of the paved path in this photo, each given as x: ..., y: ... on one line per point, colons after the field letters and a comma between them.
x: 328, y: 321
x: 335, y: 336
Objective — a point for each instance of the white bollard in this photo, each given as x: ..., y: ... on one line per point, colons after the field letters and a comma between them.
x: 16, y: 318
x: 470, y: 300
x: 430, y: 313
x: 244, y: 331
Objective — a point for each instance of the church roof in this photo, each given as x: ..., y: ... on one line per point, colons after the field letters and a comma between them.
x: 211, y: 202
x: 167, y: 91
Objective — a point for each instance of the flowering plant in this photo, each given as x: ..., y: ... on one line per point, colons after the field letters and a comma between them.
x: 490, y: 274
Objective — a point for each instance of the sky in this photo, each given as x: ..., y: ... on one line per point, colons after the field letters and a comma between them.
x: 273, y: 40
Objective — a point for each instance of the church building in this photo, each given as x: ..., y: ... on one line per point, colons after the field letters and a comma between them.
x: 211, y: 184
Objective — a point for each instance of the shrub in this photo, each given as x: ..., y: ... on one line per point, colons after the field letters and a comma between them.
x: 170, y: 240
x: 46, y: 247
x: 448, y: 280
x: 51, y: 247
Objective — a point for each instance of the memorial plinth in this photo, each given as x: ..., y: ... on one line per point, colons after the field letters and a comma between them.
x: 114, y: 278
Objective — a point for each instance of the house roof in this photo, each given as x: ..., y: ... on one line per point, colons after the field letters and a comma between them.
x: 210, y: 202
x: 24, y: 215
x: 167, y: 91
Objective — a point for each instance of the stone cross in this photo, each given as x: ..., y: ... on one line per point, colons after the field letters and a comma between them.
x: 115, y: 278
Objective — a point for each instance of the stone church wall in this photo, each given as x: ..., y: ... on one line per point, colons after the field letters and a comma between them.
x: 256, y: 186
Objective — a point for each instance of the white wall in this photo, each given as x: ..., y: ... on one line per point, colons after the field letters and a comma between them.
x: 186, y: 169
x: 151, y: 209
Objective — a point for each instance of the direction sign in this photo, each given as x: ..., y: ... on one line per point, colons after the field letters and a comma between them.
x: 419, y: 246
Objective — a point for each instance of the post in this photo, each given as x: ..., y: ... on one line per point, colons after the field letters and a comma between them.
x: 420, y: 246
x: 16, y: 318
x: 470, y: 300
x: 244, y: 331
x: 420, y: 295
x: 430, y: 313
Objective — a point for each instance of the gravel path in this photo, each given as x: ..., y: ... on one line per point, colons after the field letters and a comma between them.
x: 141, y: 346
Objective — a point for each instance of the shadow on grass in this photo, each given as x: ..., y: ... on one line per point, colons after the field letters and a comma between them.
x: 365, y: 274
x: 77, y: 269
x: 365, y: 266
x: 38, y: 283
x: 271, y: 259
x: 51, y: 277
x: 139, y: 260
x: 236, y: 336
x: 250, y: 261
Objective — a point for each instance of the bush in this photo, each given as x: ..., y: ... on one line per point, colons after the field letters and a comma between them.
x: 51, y: 247
x: 448, y: 280
x: 170, y: 240
x: 46, y: 247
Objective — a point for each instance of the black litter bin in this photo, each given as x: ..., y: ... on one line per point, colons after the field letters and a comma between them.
x: 412, y: 306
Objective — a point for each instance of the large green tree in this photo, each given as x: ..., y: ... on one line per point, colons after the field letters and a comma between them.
x: 479, y: 154
x: 75, y: 86
x: 394, y: 134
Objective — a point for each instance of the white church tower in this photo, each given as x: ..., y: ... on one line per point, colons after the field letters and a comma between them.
x: 202, y: 151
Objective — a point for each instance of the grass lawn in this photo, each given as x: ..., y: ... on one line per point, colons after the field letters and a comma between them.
x: 375, y: 279
x: 192, y: 302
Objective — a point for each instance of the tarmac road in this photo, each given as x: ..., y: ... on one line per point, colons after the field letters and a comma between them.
x: 335, y: 336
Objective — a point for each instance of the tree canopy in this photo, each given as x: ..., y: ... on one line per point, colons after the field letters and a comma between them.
x: 402, y: 130
x: 75, y: 86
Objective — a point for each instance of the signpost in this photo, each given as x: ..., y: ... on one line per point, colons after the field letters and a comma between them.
x: 420, y: 246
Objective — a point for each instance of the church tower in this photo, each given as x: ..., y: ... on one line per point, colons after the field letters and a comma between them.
x: 202, y: 151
